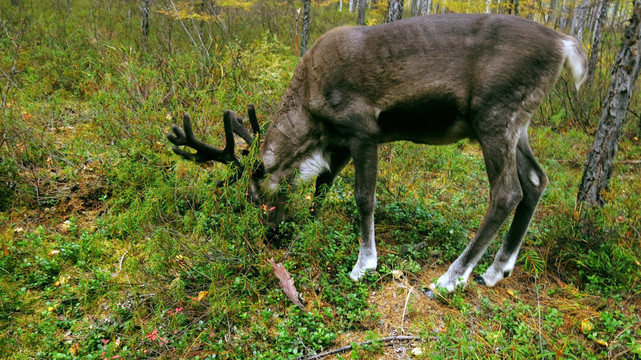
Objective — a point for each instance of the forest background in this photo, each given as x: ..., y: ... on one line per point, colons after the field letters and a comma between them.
x: 113, y: 247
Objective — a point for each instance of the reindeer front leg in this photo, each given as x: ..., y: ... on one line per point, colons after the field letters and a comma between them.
x: 337, y: 160
x: 365, y: 155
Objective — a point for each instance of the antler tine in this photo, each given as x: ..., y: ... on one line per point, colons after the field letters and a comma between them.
x: 240, y: 130
x: 251, y: 112
x: 204, y: 152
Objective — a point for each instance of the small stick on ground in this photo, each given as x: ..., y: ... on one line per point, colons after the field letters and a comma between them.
x: 349, y: 347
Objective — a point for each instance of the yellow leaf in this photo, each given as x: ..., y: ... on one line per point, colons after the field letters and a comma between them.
x: 601, y: 342
x: 61, y: 281
x: 511, y: 292
x: 202, y: 295
x: 74, y: 349
x: 54, y: 252
x: 586, y: 326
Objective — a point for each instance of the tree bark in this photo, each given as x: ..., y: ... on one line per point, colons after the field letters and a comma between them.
x: 305, y: 32
x: 395, y: 10
x: 579, y: 20
x: 426, y: 6
x: 551, y: 16
x: 563, y: 16
x: 144, y: 10
x: 598, y: 169
x: 361, y: 12
x: 597, y: 37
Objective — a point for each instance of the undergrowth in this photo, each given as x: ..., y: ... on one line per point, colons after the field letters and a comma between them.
x: 114, y: 247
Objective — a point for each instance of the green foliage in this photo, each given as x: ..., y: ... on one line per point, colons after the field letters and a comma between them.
x: 112, y: 246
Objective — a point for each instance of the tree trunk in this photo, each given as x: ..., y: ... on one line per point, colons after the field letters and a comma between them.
x: 413, y: 7
x: 597, y: 37
x: 551, y: 16
x: 351, y: 5
x: 305, y: 32
x: 362, y: 4
x: 513, y: 7
x: 579, y: 20
x: 563, y: 16
x: 426, y: 6
x: 144, y: 10
x: 598, y: 169
x: 395, y: 10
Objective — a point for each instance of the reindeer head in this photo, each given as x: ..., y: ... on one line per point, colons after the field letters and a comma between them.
x: 272, y: 203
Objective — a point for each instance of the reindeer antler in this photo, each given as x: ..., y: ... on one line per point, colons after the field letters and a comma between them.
x: 205, y: 152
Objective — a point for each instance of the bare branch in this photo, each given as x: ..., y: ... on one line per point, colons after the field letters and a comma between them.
x: 350, y: 347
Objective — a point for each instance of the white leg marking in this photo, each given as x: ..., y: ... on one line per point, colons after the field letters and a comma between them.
x: 451, y: 279
x: 499, y: 271
x: 367, y: 261
x: 534, y: 178
x: 367, y: 257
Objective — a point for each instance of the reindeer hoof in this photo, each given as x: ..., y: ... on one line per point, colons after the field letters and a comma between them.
x: 431, y: 293
x: 360, y: 270
x: 479, y: 280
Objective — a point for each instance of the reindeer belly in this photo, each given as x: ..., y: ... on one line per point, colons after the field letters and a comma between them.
x: 436, y: 122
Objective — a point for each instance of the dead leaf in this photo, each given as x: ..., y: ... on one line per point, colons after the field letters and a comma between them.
x: 586, y: 326
x: 74, y: 349
x: 601, y: 342
x: 286, y: 282
x: 61, y: 281
x: 202, y: 294
x: 397, y: 274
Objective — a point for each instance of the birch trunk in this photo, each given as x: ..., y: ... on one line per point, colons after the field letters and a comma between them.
x: 395, y: 10
x: 579, y: 20
x: 305, y: 31
x: 145, y: 19
x: 361, y: 12
x: 426, y: 6
x: 597, y: 37
x: 598, y: 169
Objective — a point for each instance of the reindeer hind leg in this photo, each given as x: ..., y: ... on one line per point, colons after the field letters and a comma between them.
x: 499, y: 152
x: 533, y: 182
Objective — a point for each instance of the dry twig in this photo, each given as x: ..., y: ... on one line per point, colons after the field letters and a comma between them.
x: 349, y: 347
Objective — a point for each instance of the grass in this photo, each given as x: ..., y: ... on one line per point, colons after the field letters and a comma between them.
x: 111, y: 246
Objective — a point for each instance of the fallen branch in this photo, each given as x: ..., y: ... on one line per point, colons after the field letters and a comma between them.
x: 625, y: 162
x: 349, y: 347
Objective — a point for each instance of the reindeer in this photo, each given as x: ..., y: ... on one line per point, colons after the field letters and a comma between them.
x: 432, y: 80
